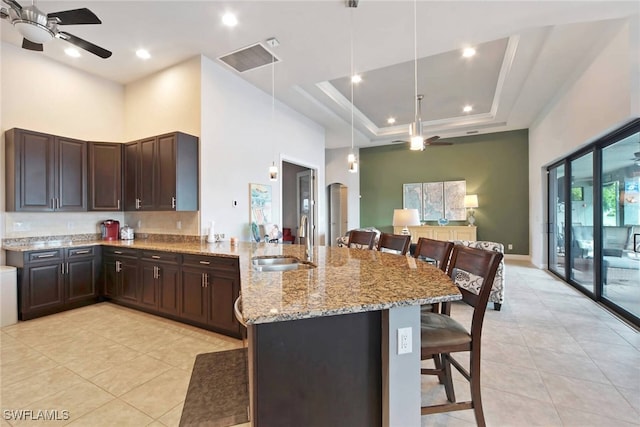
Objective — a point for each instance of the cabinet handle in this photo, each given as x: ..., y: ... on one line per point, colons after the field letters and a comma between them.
x: 155, y: 257
x: 118, y: 204
x: 86, y: 251
x: 138, y: 202
x: 157, y: 272
x: 57, y: 203
x: 117, y: 252
x: 205, y: 263
x: 53, y: 206
x: 118, y: 266
x: 173, y: 202
x: 62, y: 268
x: 46, y: 255
x: 202, y: 281
x: 206, y: 280
x: 67, y: 268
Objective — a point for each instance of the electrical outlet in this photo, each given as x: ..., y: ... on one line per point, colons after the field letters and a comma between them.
x: 404, y: 340
x: 510, y: 246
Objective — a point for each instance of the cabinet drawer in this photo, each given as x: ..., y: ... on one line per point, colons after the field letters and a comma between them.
x: 160, y: 256
x: 219, y: 263
x: 45, y: 256
x: 113, y: 251
x: 85, y: 251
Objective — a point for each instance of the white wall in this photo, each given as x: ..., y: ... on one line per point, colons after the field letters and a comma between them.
x: 602, y: 98
x: 237, y: 148
x: 166, y: 101
x: 47, y: 96
x: 337, y: 171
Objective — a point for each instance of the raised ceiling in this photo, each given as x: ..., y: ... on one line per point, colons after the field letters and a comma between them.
x: 527, y: 52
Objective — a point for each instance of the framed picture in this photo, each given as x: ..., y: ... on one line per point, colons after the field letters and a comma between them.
x: 260, y: 195
x: 433, y: 200
x: 454, y: 192
x: 412, y: 196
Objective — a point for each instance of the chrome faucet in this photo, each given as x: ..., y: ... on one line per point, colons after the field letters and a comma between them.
x: 303, y: 233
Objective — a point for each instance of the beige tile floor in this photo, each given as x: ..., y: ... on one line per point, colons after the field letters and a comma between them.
x: 551, y: 357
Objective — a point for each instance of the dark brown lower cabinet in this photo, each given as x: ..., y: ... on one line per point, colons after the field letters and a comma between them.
x: 195, y: 289
x: 55, y: 280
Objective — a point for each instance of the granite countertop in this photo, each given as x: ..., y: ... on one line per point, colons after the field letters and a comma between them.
x: 345, y: 280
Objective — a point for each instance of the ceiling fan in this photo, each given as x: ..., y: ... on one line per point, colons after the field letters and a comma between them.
x: 636, y: 158
x: 432, y: 141
x: 37, y: 28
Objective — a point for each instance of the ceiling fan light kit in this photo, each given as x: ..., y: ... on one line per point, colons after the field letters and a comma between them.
x: 38, y: 28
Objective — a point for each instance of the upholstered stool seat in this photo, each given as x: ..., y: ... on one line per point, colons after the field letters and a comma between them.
x: 441, y: 330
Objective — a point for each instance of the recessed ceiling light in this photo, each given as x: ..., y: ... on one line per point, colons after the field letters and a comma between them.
x: 229, y: 19
x: 143, y: 54
x: 467, y: 108
x: 391, y: 120
x: 72, y: 52
x: 468, y: 52
x: 356, y: 78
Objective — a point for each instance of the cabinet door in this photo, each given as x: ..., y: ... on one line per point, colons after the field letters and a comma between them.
x: 131, y: 176
x: 146, y: 174
x: 105, y: 176
x: 223, y: 290
x: 109, y: 277
x: 71, y: 169
x: 148, y: 284
x: 80, y: 279
x: 165, y: 173
x: 128, y: 281
x: 44, y: 287
x: 169, y: 289
x: 465, y: 233
x: 193, y: 294
x: 31, y: 155
x: 442, y: 233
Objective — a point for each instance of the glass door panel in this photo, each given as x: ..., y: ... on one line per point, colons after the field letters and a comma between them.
x: 557, y: 197
x: 621, y: 220
x: 580, y: 201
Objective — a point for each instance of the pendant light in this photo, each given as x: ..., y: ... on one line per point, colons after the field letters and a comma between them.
x: 351, y: 158
x: 273, y: 169
x: 415, y: 130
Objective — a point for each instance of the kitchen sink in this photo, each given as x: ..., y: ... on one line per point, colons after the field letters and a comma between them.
x: 280, y: 263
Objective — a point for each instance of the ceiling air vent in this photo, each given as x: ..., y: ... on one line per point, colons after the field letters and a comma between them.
x: 249, y: 58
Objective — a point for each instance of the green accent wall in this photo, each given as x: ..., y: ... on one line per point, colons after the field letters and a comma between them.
x: 495, y: 166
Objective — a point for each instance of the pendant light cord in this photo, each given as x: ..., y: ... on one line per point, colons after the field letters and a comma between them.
x: 415, y: 55
x: 273, y: 106
x: 352, y: 83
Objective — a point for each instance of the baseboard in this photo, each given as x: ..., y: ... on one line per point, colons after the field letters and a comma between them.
x: 514, y: 257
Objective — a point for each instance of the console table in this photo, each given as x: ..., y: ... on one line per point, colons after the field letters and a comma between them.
x: 437, y: 232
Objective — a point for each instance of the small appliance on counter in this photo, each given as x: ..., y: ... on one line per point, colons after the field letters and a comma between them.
x: 110, y: 229
x: 126, y: 233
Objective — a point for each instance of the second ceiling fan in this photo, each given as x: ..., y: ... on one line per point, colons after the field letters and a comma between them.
x: 431, y: 141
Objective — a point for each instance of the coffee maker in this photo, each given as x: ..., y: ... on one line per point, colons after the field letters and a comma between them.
x: 110, y: 229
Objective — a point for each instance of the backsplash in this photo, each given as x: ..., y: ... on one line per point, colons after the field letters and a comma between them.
x: 31, y: 224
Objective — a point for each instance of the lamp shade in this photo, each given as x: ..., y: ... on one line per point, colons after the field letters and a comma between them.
x: 471, y: 201
x: 406, y: 217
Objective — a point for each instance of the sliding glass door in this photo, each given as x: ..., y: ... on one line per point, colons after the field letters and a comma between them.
x: 581, y: 233
x: 556, y: 240
x: 594, y: 220
x: 621, y: 223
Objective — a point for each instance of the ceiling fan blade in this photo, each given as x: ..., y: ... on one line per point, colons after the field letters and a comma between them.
x: 432, y: 139
x: 399, y: 140
x: 13, y: 3
x: 28, y: 44
x: 75, y: 17
x: 90, y: 47
x: 436, y: 144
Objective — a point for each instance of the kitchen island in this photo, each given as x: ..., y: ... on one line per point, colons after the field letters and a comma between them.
x: 323, y: 341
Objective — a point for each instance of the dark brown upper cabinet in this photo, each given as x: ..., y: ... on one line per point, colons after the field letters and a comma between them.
x: 105, y: 176
x: 45, y: 173
x: 161, y: 173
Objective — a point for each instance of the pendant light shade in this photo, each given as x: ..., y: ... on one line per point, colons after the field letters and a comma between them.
x: 273, y: 172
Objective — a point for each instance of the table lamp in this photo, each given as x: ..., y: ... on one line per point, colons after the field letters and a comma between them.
x: 470, y: 202
x: 406, y: 218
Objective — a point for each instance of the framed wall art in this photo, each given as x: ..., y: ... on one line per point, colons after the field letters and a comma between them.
x: 412, y: 196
